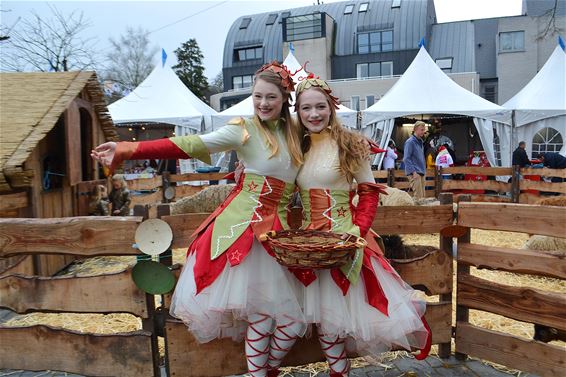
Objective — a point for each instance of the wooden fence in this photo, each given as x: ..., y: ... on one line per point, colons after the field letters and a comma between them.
x: 523, y: 303
x: 136, y: 353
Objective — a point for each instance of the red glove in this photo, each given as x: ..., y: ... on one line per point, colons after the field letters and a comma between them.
x: 368, y: 194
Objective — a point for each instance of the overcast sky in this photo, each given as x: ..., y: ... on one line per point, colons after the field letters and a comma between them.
x: 173, y: 22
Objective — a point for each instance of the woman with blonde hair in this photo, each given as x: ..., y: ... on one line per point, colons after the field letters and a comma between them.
x: 364, y: 300
x: 120, y: 197
x: 98, y: 204
x: 231, y: 286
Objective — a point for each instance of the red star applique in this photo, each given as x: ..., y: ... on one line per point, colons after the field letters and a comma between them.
x: 252, y: 186
x: 235, y: 257
x: 341, y: 212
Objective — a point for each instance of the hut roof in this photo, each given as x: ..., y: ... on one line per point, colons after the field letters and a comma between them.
x: 30, y: 105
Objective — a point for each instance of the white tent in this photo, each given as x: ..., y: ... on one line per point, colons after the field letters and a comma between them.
x: 245, y: 108
x: 425, y: 89
x: 162, y: 97
x: 541, y: 104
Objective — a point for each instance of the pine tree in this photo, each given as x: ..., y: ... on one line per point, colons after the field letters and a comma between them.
x: 190, y: 69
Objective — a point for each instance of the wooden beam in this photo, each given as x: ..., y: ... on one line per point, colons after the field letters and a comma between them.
x: 526, y: 184
x: 533, y: 219
x: 153, y: 198
x: 379, y: 174
x: 46, y: 348
x: 432, y: 271
x: 476, y: 185
x: 545, y: 172
x: 145, y: 183
x: 90, y: 294
x: 412, y: 219
x: 521, y: 303
x: 476, y: 170
x: 514, y: 352
x: 10, y: 202
x: 197, y: 177
x: 484, y: 198
x: 186, y: 190
x: 86, y: 236
x: 512, y: 260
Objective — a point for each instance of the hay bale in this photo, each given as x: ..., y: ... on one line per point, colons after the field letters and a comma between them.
x: 205, y: 200
x: 395, y: 197
x: 546, y: 243
x: 559, y: 201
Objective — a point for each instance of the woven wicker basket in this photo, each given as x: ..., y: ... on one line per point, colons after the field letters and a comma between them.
x: 312, y: 248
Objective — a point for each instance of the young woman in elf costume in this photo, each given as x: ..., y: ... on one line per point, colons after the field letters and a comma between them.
x: 231, y: 286
x: 365, y: 301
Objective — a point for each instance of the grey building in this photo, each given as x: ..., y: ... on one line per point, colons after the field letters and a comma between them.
x: 362, y: 46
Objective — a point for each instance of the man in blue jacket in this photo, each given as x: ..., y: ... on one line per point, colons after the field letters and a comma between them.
x: 414, y: 160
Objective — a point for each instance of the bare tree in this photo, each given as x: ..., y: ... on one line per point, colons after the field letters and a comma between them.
x: 551, y: 29
x: 48, y: 44
x: 130, y: 59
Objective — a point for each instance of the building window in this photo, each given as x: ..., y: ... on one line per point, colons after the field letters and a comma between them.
x: 370, y: 100
x: 284, y: 15
x: 249, y: 53
x: 239, y: 82
x: 271, y: 19
x: 374, y: 69
x: 444, y: 63
x: 547, y: 140
x: 363, y: 7
x: 308, y: 26
x: 512, y: 41
x: 375, y: 41
x: 349, y: 9
x: 396, y: 4
x: 355, y: 103
x: 245, y: 23
x: 489, y: 92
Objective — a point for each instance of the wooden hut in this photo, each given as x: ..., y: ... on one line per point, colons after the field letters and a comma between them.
x: 49, y: 122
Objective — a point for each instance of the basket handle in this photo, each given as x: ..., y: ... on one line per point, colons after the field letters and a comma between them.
x: 359, y: 242
x: 263, y: 237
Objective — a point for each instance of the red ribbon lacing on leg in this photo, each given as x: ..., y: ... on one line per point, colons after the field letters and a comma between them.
x: 332, y: 360
x: 276, y: 337
x: 426, y: 350
x: 259, y: 352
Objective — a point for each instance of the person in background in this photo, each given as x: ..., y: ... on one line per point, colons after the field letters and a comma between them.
x: 390, y: 156
x: 414, y: 160
x: 444, y: 160
x: 520, y: 156
x: 553, y: 160
x: 120, y: 196
x: 430, y: 158
x: 98, y: 205
x: 365, y: 300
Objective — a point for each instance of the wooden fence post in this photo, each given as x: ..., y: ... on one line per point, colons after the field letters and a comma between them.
x: 462, y: 312
x: 446, y: 244
x: 165, y: 184
x: 167, y: 256
x: 515, y: 184
x: 438, y: 185
x: 391, y: 177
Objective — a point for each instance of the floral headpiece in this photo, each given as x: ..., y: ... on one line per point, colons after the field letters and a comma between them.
x: 282, y: 71
x: 310, y: 81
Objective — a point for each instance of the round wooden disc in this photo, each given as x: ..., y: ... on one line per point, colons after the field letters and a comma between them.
x: 154, y: 236
x: 153, y: 277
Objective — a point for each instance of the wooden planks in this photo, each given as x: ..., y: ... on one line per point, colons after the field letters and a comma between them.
x: 513, y: 217
x: 91, y: 294
x: 87, y: 236
x: 476, y: 185
x: 145, y: 183
x: 186, y: 190
x: 512, y: 260
x: 197, y: 177
x: 433, y: 272
x: 226, y: 357
x: 520, y: 303
x: 47, y: 348
x: 153, y: 198
x: 412, y: 219
x: 476, y: 170
x: 525, y: 355
x: 10, y: 202
x: 560, y: 187
x: 183, y: 226
x: 545, y: 172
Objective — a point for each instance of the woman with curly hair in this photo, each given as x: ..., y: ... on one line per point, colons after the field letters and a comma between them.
x: 231, y: 286
x: 366, y: 300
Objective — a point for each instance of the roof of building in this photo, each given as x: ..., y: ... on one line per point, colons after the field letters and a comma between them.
x: 30, y: 104
x: 408, y: 21
x: 454, y: 40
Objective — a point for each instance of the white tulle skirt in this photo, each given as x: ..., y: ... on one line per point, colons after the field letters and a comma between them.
x: 257, y: 285
x: 368, y: 330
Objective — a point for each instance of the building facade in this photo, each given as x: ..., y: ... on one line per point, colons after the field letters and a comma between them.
x: 363, y: 46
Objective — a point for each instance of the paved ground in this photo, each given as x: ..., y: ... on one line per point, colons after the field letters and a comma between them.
x: 401, y: 367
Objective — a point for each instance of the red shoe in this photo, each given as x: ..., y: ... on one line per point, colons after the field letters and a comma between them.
x: 273, y: 372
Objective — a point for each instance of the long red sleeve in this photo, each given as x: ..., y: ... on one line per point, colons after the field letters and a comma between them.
x: 154, y: 149
x: 368, y: 194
